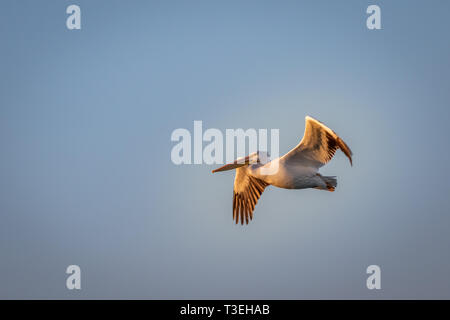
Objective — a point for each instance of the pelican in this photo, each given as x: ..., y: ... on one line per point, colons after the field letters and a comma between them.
x: 297, y: 169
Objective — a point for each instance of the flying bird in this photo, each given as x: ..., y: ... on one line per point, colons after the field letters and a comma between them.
x: 297, y: 169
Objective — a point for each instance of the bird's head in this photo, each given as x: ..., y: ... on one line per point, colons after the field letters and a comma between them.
x: 254, y: 158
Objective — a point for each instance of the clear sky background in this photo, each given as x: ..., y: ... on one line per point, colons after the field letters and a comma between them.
x: 85, y: 170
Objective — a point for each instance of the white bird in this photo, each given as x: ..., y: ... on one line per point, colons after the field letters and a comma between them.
x: 297, y: 169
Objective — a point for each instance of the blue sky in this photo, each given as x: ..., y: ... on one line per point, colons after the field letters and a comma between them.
x: 86, y: 178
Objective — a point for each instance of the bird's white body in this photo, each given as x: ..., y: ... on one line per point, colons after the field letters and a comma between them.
x: 297, y: 169
x: 288, y: 175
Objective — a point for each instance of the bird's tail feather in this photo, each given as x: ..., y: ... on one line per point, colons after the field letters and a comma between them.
x: 331, y: 182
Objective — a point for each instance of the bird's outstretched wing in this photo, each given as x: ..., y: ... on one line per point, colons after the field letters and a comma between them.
x: 247, y: 190
x: 318, y: 145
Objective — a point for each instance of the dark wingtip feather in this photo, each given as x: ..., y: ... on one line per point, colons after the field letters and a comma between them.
x: 345, y: 148
x: 244, y: 203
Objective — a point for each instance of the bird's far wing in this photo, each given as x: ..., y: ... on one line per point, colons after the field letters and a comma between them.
x: 247, y: 190
x: 318, y: 145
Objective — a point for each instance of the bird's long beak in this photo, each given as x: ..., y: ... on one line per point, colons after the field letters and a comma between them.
x: 231, y: 166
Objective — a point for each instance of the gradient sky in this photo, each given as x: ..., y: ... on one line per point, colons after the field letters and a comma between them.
x: 85, y: 170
